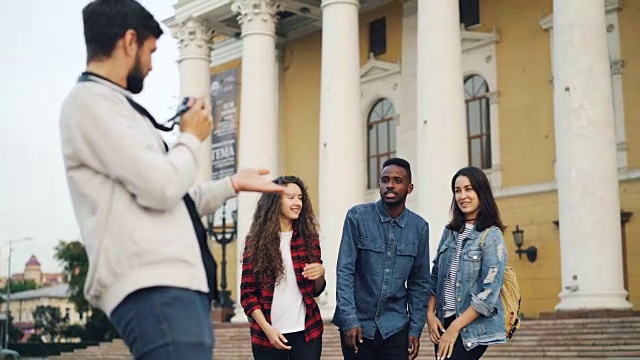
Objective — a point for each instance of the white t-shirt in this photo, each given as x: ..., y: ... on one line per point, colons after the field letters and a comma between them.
x: 287, y: 310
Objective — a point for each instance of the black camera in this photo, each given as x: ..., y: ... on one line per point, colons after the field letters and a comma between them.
x: 182, y: 108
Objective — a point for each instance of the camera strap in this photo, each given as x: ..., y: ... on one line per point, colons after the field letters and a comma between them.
x: 86, y: 77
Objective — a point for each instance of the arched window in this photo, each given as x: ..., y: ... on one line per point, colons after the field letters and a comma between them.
x: 476, y: 93
x: 381, y: 134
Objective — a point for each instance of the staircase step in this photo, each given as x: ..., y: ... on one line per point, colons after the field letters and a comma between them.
x: 566, y: 339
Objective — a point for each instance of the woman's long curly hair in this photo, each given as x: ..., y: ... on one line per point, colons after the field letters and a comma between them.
x: 263, y: 240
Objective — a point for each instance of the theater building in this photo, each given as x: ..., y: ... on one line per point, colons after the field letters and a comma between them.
x: 543, y: 95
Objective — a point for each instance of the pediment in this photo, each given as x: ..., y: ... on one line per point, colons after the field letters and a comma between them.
x: 473, y: 40
x: 376, y: 69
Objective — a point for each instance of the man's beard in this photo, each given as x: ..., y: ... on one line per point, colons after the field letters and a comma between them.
x: 135, y: 79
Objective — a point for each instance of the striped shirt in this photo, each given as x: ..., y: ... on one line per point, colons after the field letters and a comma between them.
x: 449, y: 285
x: 254, y: 295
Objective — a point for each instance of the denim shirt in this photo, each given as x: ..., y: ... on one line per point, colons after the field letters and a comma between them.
x: 382, y: 272
x: 478, y: 282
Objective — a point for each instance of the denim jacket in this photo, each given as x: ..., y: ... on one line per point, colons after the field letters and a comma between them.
x: 382, y: 272
x: 478, y: 283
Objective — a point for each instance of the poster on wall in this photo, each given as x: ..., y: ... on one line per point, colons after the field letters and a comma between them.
x: 224, y: 94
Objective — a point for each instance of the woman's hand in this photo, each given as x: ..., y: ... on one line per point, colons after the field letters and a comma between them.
x: 435, y: 328
x: 276, y: 338
x: 447, y: 340
x: 313, y: 271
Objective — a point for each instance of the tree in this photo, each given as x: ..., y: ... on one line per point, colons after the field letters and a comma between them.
x: 15, y: 334
x: 48, y: 322
x: 99, y: 328
x: 73, y: 331
x: 18, y: 286
x: 73, y: 257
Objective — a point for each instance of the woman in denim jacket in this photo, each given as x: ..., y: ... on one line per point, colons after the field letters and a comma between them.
x: 465, y: 313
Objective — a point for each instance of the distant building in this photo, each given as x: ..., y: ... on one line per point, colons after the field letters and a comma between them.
x: 33, y: 271
x: 24, y: 303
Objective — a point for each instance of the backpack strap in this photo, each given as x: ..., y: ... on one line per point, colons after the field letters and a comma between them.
x: 483, y: 237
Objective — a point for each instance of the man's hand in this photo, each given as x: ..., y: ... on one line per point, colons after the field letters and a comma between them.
x: 313, y: 271
x: 247, y: 179
x: 353, y: 337
x: 414, y: 347
x: 197, y: 120
x: 276, y: 338
x: 435, y: 328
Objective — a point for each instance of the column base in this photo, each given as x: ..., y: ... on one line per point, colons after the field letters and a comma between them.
x: 588, y: 314
x: 239, y: 316
x: 221, y: 314
x: 610, y: 300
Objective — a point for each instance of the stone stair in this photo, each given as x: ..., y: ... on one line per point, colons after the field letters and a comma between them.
x: 570, y: 339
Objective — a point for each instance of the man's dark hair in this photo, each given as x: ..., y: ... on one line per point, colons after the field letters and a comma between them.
x: 399, y: 162
x: 106, y: 21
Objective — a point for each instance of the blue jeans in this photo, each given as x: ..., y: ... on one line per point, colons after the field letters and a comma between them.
x: 165, y: 323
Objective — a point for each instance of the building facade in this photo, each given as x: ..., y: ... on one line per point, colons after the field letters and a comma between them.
x: 33, y: 272
x: 24, y: 303
x: 541, y: 94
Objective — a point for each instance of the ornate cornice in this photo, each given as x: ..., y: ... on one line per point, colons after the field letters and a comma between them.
x: 257, y: 16
x: 194, y: 37
x: 612, y: 5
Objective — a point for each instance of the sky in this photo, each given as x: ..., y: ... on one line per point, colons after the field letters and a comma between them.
x: 42, y: 55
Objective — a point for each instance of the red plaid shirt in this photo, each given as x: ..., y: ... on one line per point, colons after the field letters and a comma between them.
x: 254, y: 296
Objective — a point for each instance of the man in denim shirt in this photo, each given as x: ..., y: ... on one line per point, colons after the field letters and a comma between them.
x: 383, y: 273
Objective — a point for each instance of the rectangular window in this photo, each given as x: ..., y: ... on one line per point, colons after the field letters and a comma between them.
x: 469, y: 12
x: 378, y: 36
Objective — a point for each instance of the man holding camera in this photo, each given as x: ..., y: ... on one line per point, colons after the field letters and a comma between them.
x: 139, y: 214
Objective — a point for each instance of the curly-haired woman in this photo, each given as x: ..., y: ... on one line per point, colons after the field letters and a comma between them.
x: 282, y: 273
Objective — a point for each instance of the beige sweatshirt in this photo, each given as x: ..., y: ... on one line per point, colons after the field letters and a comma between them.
x: 127, y: 195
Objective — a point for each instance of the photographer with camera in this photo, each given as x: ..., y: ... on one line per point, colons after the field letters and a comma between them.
x: 150, y: 269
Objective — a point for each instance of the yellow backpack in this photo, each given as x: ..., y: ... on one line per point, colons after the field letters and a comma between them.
x: 509, y: 295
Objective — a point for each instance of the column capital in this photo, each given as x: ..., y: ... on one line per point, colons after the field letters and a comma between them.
x: 326, y: 3
x: 195, y: 38
x: 257, y: 16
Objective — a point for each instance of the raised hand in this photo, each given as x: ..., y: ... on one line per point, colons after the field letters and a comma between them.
x: 247, y: 179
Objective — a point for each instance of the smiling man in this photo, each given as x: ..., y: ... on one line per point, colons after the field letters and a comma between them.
x: 135, y: 199
x: 383, y: 273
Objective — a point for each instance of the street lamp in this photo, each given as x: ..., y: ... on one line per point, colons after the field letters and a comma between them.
x: 531, y: 251
x: 224, y: 235
x: 6, y: 322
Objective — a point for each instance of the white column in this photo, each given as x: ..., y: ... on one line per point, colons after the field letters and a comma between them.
x: 342, y: 174
x: 195, y: 41
x: 259, y: 125
x: 441, y: 128
x: 586, y: 171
